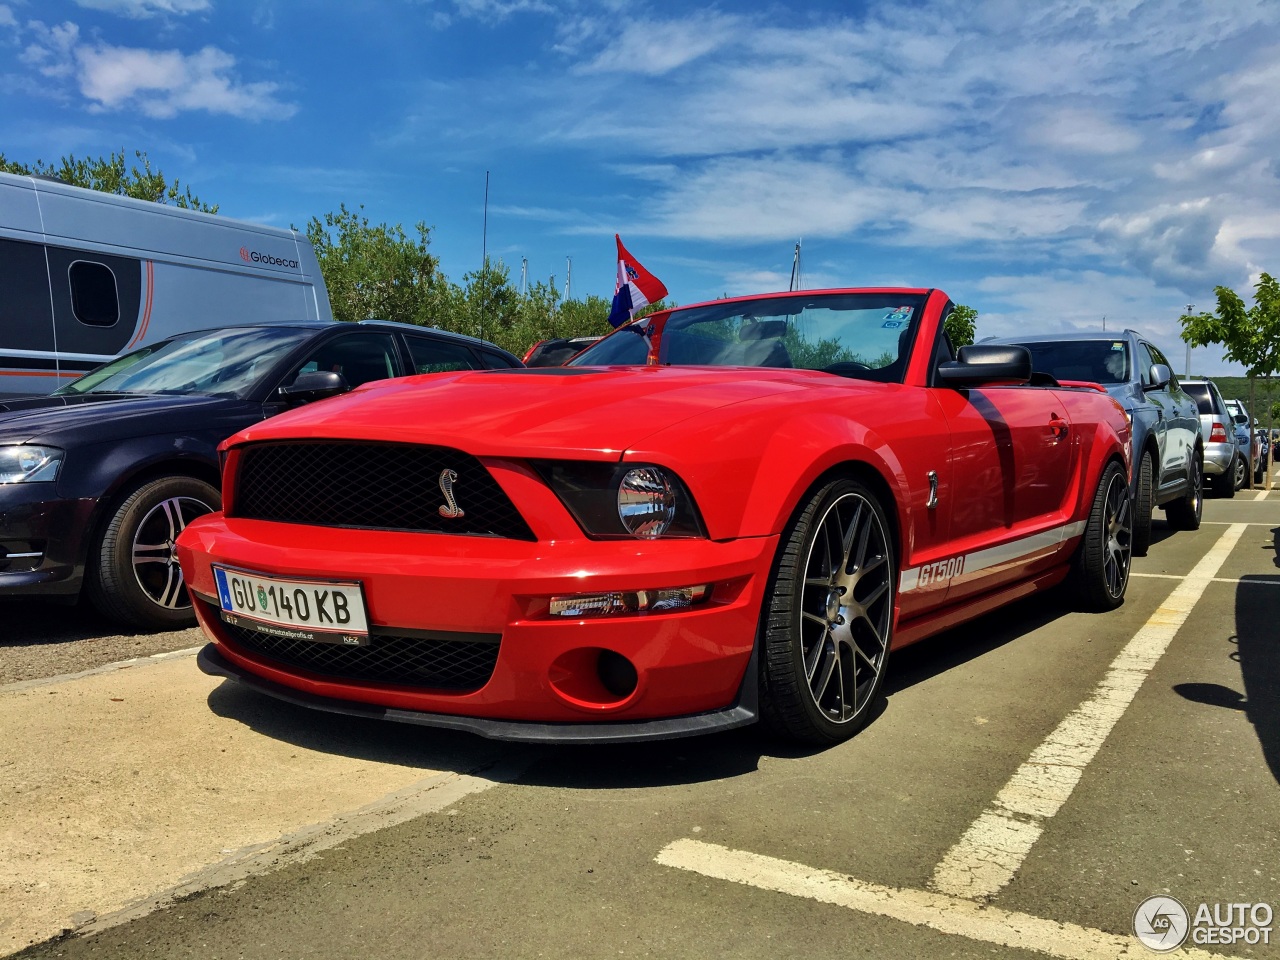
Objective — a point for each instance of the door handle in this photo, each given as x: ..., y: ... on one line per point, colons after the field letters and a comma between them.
x: 1058, y: 427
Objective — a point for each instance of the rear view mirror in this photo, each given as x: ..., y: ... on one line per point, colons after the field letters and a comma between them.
x: 1160, y: 375
x: 314, y: 385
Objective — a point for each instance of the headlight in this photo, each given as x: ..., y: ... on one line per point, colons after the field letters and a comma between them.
x: 22, y: 462
x: 612, y: 500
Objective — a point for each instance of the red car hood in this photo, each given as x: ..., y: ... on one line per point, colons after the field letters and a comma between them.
x: 591, y: 412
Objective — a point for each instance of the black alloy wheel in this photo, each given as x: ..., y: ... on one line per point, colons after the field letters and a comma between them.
x: 829, y: 616
x: 1100, y: 568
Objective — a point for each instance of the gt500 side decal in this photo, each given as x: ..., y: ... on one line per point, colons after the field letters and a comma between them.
x: 1024, y: 548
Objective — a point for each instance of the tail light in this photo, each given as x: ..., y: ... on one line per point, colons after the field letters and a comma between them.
x: 1218, y: 433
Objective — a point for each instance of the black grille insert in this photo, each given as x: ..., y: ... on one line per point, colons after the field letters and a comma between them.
x: 404, y: 661
x: 374, y: 486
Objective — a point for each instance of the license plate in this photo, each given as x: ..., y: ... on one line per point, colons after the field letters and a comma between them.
x: 322, y: 610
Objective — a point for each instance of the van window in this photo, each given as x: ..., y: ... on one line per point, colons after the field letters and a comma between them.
x: 93, y: 294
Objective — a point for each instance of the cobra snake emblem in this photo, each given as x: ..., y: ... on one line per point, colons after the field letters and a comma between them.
x: 450, y: 508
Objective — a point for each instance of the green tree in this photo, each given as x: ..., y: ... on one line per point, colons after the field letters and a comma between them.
x: 1249, y: 336
x: 379, y: 271
x: 962, y: 325
x: 113, y: 175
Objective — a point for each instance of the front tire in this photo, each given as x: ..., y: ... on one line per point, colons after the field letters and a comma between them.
x: 828, y: 617
x: 1185, y: 512
x: 134, y: 577
x: 1143, y: 504
x: 1100, y: 569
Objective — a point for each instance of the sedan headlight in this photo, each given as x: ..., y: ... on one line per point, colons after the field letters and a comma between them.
x: 23, y: 462
x: 612, y: 500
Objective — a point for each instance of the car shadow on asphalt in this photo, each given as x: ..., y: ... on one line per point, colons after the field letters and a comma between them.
x: 699, y: 759
x: 969, y: 641
x: 1257, y: 650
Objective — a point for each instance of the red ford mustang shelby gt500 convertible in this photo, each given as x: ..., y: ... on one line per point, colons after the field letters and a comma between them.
x: 719, y: 513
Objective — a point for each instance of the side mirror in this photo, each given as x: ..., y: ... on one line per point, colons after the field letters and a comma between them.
x: 1160, y: 375
x: 1241, y: 419
x: 314, y: 385
x: 983, y: 363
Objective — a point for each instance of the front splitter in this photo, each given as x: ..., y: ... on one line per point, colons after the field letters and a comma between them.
x: 742, y: 712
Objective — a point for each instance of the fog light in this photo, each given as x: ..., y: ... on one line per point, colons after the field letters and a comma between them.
x: 624, y: 602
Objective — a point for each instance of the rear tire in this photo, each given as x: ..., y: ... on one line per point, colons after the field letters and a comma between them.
x: 828, y: 617
x: 1100, y: 568
x: 134, y: 577
x: 1224, y: 486
x: 1185, y: 512
x: 1239, y: 472
x: 1143, y: 504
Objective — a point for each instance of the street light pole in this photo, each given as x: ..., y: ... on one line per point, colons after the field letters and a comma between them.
x: 1190, y: 307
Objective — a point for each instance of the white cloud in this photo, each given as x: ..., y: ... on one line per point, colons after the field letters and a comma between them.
x: 159, y: 83
x: 7, y: 19
x: 163, y: 83
x: 648, y: 47
x: 141, y: 9
x: 1087, y: 130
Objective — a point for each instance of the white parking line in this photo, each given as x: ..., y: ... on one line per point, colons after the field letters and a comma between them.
x: 952, y: 915
x: 989, y: 854
x: 1263, y: 581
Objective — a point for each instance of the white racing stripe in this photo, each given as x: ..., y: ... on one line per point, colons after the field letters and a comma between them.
x: 1024, y: 548
x: 950, y: 915
x: 994, y: 847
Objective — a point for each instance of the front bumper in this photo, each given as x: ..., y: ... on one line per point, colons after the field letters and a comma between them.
x: 691, y: 666
x: 41, y: 540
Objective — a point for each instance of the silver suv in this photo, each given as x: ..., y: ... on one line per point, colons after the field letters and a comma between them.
x: 1224, y: 466
x: 1167, y: 448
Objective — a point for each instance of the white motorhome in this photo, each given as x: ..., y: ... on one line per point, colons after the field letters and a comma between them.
x: 85, y: 276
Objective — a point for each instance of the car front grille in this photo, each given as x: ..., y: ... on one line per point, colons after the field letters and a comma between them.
x: 374, y: 486
x: 458, y: 665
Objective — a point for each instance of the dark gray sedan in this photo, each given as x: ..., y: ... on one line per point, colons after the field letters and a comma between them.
x: 98, y: 479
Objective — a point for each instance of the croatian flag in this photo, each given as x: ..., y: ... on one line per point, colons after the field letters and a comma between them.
x: 636, y: 287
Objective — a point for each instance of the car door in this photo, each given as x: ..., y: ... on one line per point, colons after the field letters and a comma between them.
x: 1181, y: 421
x: 1013, y: 462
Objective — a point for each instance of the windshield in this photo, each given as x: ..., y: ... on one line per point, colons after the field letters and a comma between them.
x: 854, y: 334
x: 1093, y: 361
x: 221, y: 363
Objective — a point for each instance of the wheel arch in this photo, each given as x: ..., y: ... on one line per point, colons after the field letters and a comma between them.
x: 126, y: 483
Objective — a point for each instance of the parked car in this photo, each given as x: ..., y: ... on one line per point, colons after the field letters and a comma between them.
x: 1225, y: 462
x: 98, y: 479
x: 1254, y: 443
x: 555, y: 351
x: 1167, y: 447
x: 718, y: 513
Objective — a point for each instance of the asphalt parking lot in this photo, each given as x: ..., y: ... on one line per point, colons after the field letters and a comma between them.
x: 1034, y: 777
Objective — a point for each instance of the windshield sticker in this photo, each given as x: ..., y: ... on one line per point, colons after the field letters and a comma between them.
x: 896, y: 318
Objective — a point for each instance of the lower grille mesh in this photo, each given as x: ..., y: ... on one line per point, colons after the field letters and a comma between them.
x: 403, y: 661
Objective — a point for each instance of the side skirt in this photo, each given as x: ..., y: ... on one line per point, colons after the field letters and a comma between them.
x: 936, y: 621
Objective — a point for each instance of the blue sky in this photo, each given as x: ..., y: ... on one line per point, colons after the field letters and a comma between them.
x: 1049, y: 163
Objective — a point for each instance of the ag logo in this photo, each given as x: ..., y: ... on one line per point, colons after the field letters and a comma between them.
x: 1161, y: 923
